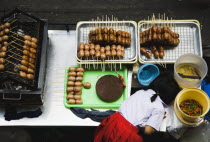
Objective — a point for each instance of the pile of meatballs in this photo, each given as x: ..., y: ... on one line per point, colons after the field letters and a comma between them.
x: 109, y: 36
x: 156, y: 38
x: 25, y: 45
x: 74, y: 85
x: 92, y: 51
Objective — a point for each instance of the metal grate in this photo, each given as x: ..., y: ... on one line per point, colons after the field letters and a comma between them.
x: 190, y: 42
x: 83, y: 29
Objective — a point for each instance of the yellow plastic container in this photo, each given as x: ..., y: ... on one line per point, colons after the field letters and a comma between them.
x: 195, y: 94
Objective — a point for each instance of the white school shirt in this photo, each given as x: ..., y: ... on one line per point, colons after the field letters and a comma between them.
x: 139, y: 110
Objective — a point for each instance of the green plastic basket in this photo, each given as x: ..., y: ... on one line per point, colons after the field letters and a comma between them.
x: 89, y: 96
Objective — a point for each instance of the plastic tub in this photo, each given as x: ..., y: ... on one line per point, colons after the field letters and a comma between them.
x: 192, y: 60
x: 147, y: 73
x: 197, y: 95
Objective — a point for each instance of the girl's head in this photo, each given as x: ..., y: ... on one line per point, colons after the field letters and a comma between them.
x: 166, y: 87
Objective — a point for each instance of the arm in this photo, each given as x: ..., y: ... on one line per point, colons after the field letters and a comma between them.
x: 154, y: 122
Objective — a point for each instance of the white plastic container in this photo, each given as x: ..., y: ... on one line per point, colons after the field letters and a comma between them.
x: 195, y: 61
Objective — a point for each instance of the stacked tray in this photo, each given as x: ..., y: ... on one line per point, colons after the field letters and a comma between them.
x: 130, y: 54
x: 189, y: 36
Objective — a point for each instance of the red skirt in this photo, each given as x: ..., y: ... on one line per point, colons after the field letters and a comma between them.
x: 116, y: 128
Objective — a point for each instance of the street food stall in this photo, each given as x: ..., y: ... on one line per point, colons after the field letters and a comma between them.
x: 95, y: 66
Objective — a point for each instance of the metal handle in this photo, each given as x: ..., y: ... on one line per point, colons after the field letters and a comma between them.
x: 5, y: 98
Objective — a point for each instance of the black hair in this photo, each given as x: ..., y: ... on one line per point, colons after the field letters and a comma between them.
x: 165, y: 87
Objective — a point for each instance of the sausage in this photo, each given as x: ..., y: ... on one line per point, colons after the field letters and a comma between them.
x: 24, y: 62
x: 70, y: 96
x: 92, y: 52
x: 7, y: 24
x: 27, y: 42
x: 34, y: 45
x: 27, y: 37
x: 72, y: 73
x: 30, y: 70
x: 143, y: 50
x: 81, y: 46
x: 79, y: 78
x: 102, y: 49
x: 6, y: 31
x: 33, y: 39
x: 72, y: 69
x: 2, y: 66
x: 23, y: 68
x: 78, y: 93
x: 105, y: 37
x: 5, y: 43
x: 25, y: 47
x: 118, y: 47
x: 154, y: 29
x: 78, y: 101
x: 81, y: 53
x: 71, y: 78
x: 2, y: 54
x: 108, y: 53
x: 31, y: 60
x: 26, y: 52
x: 119, y: 53
x: 80, y: 69
x: 98, y: 54
x: 78, y: 83
x: 113, y: 47
x: 77, y: 89
x: 107, y: 48
x: 105, y: 30
x: 71, y: 93
x: 69, y: 89
x: 23, y: 74
x: 5, y: 37
x: 87, y: 47
x: 32, y: 50
x: 87, y: 53
x: 24, y: 57
x: 31, y: 65
x: 80, y: 74
x: 30, y: 76
x: 97, y: 47
x: 87, y: 85
x: 148, y: 54
x: 103, y: 56
x: 3, y: 49
x: 71, y: 101
x: 70, y: 83
x: 2, y: 60
x: 77, y: 97
x: 114, y: 53
x: 92, y: 46
x: 31, y: 55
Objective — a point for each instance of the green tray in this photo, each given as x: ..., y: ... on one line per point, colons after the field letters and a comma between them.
x: 89, y: 96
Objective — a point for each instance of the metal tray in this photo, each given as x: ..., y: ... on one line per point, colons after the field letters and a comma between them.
x: 83, y: 29
x: 190, y: 41
x: 89, y: 96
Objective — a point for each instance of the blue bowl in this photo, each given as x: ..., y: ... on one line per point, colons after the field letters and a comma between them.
x: 147, y: 73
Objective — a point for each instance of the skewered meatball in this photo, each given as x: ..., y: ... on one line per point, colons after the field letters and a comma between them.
x: 23, y: 74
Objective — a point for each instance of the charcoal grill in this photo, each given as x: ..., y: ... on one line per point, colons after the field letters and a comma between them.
x: 14, y: 89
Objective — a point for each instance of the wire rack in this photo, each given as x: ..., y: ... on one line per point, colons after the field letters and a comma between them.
x: 130, y: 54
x: 190, y: 42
